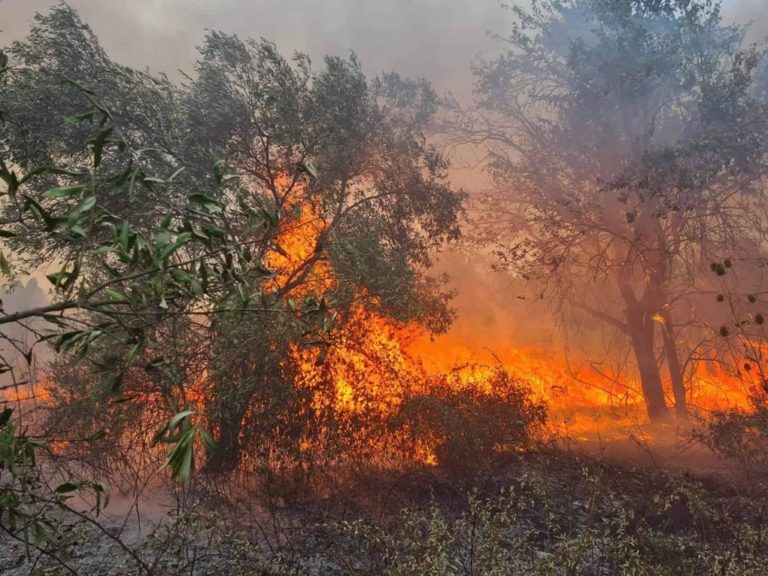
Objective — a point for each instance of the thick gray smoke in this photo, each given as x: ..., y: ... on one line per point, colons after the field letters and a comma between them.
x: 750, y: 12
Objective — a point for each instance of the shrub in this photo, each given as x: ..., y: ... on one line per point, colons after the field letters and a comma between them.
x: 739, y: 435
x: 465, y: 425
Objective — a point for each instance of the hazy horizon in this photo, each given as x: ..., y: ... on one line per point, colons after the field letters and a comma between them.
x: 429, y: 38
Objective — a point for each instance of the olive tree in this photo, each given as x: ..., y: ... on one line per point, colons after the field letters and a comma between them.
x: 331, y: 195
x: 627, y: 142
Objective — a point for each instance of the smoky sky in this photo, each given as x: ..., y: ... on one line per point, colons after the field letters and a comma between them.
x: 436, y: 39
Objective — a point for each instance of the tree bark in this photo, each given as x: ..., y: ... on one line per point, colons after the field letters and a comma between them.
x: 674, y: 367
x: 640, y: 328
x: 226, y: 456
x: 650, y: 376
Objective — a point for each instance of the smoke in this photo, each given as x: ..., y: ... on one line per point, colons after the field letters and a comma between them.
x: 431, y: 38
x: 750, y: 12
x: 15, y: 298
x: 435, y: 39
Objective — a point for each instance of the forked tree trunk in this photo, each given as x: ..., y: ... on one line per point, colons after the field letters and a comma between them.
x: 674, y: 367
x: 641, y: 332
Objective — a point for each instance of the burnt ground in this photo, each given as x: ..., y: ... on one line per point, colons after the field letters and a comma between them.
x: 588, y: 509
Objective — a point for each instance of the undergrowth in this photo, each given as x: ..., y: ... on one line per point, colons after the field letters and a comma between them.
x: 549, y: 513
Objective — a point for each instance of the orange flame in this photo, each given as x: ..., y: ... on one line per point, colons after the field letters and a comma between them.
x: 375, y: 361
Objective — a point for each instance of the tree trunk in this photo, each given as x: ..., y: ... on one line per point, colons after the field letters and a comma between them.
x: 226, y: 456
x: 640, y: 326
x: 674, y: 367
x: 641, y: 335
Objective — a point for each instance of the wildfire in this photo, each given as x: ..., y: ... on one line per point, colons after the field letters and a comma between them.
x: 373, y: 364
x: 296, y: 250
x: 27, y: 392
x: 27, y: 398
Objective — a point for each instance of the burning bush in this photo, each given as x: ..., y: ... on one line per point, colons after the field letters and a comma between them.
x: 463, y: 424
x: 323, y: 207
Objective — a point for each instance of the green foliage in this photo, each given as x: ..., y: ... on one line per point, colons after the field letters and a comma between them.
x: 30, y: 509
x: 360, y: 142
x: 115, y: 284
x: 170, y: 235
x: 181, y: 432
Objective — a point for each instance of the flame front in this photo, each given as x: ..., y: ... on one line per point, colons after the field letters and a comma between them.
x: 374, y: 363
